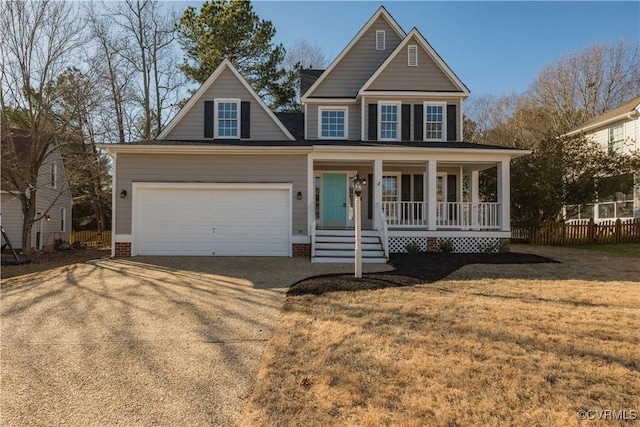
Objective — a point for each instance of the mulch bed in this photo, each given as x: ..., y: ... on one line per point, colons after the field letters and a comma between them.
x: 409, y: 270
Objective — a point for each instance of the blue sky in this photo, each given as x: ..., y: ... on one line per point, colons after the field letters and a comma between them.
x: 494, y: 47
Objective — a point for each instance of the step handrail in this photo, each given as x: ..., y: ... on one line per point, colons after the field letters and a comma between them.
x: 383, y: 229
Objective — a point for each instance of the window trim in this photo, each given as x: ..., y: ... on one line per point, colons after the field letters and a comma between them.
x: 53, y: 177
x: 216, y: 128
x: 410, y: 48
x: 620, y: 141
x: 346, y: 121
x: 425, y: 104
x: 63, y: 220
x: 381, y: 36
x: 398, y: 104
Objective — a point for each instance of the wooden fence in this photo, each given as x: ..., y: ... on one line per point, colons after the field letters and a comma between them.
x: 92, y: 238
x: 560, y: 233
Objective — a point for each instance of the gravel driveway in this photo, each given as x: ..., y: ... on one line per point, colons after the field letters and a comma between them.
x: 141, y: 341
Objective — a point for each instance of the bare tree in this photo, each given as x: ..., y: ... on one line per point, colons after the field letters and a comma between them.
x: 38, y: 40
x: 151, y: 56
x: 587, y: 83
x: 302, y: 54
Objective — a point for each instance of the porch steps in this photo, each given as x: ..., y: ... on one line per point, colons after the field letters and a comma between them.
x: 338, y: 246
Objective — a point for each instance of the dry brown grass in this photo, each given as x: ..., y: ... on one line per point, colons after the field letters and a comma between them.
x: 490, y: 345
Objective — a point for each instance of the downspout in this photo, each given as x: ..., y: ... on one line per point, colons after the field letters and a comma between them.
x: 114, y: 156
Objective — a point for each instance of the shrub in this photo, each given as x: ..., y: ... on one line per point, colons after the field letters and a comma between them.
x: 413, y: 248
x: 445, y: 246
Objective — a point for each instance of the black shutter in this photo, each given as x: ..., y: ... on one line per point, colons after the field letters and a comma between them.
x: 452, y: 119
x: 406, y: 122
x: 418, y: 188
x: 370, y: 185
x: 245, y: 119
x: 208, y: 119
x: 452, y: 188
x: 417, y: 122
x: 451, y: 196
x: 406, y: 188
x: 373, y: 122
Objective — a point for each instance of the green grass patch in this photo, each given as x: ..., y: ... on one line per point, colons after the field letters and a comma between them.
x: 616, y: 249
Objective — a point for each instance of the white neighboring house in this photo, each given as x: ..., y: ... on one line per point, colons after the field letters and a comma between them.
x: 53, y: 201
x: 619, y: 131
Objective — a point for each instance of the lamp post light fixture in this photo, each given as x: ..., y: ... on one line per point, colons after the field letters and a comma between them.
x: 357, y: 184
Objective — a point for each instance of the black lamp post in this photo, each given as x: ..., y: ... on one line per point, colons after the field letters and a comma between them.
x: 357, y: 184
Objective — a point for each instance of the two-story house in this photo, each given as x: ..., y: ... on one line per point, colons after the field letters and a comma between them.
x: 227, y: 176
x: 53, y: 201
x: 617, y: 130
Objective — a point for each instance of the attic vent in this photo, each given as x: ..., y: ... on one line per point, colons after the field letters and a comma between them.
x: 380, y: 40
x: 412, y: 51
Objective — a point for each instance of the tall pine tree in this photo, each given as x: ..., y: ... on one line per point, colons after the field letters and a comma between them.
x: 231, y: 29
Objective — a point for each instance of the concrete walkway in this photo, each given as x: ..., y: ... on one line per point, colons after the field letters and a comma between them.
x: 142, y: 341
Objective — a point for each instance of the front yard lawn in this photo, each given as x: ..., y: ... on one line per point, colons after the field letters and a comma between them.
x: 490, y: 345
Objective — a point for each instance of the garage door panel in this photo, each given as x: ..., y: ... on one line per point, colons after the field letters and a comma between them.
x: 251, y: 222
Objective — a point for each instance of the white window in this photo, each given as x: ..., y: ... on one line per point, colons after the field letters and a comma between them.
x: 388, y: 120
x: 616, y: 139
x: 333, y: 122
x: 63, y: 219
x: 435, y: 121
x: 54, y: 175
x: 412, y: 52
x: 227, y: 118
x: 380, y: 40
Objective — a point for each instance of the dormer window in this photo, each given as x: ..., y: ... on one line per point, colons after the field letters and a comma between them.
x: 380, y: 40
x: 434, y: 121
x: 412, y: 52
x: 333, y: 122
x: 227, y: 118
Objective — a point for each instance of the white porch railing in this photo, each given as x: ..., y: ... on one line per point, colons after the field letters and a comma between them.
x: 383, y: 230
x: 599, y: 212
x: 448, y: 215
x: 312, y: 235
x: 484, y: 215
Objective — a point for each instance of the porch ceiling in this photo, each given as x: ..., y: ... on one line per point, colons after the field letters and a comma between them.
x: 386, y: 165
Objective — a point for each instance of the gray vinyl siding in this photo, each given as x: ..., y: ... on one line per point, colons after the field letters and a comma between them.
x: 11, y: 210
x: 191, y: 127
x: 354, y: 120
x: 411, y: 101
x: 427, y: 76
x: 248, y: 168
x: 348, y: 76
x: 49, y: 201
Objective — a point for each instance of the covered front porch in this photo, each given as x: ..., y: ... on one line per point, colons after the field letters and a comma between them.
x: 412, y: 198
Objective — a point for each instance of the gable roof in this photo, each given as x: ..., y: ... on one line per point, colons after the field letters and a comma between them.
x: 414, y: 34
x: 625, y: 110
x: 18, y: 156
x: 226, y: 64
x: 308, y: 78
x: 381, y: 12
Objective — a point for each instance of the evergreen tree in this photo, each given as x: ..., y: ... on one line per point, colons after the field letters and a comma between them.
x: 231, y: 29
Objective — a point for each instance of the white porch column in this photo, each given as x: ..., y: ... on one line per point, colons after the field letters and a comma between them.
x: 377, y: 189
x: 474, y: 181
x: 432, y: 169
x: 311, y: 195
x: 504, y: 194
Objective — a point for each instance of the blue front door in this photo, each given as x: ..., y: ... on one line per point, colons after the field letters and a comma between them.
x: 334, y: 200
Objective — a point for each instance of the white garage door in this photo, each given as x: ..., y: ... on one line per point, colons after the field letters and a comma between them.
x: 244, y: 221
